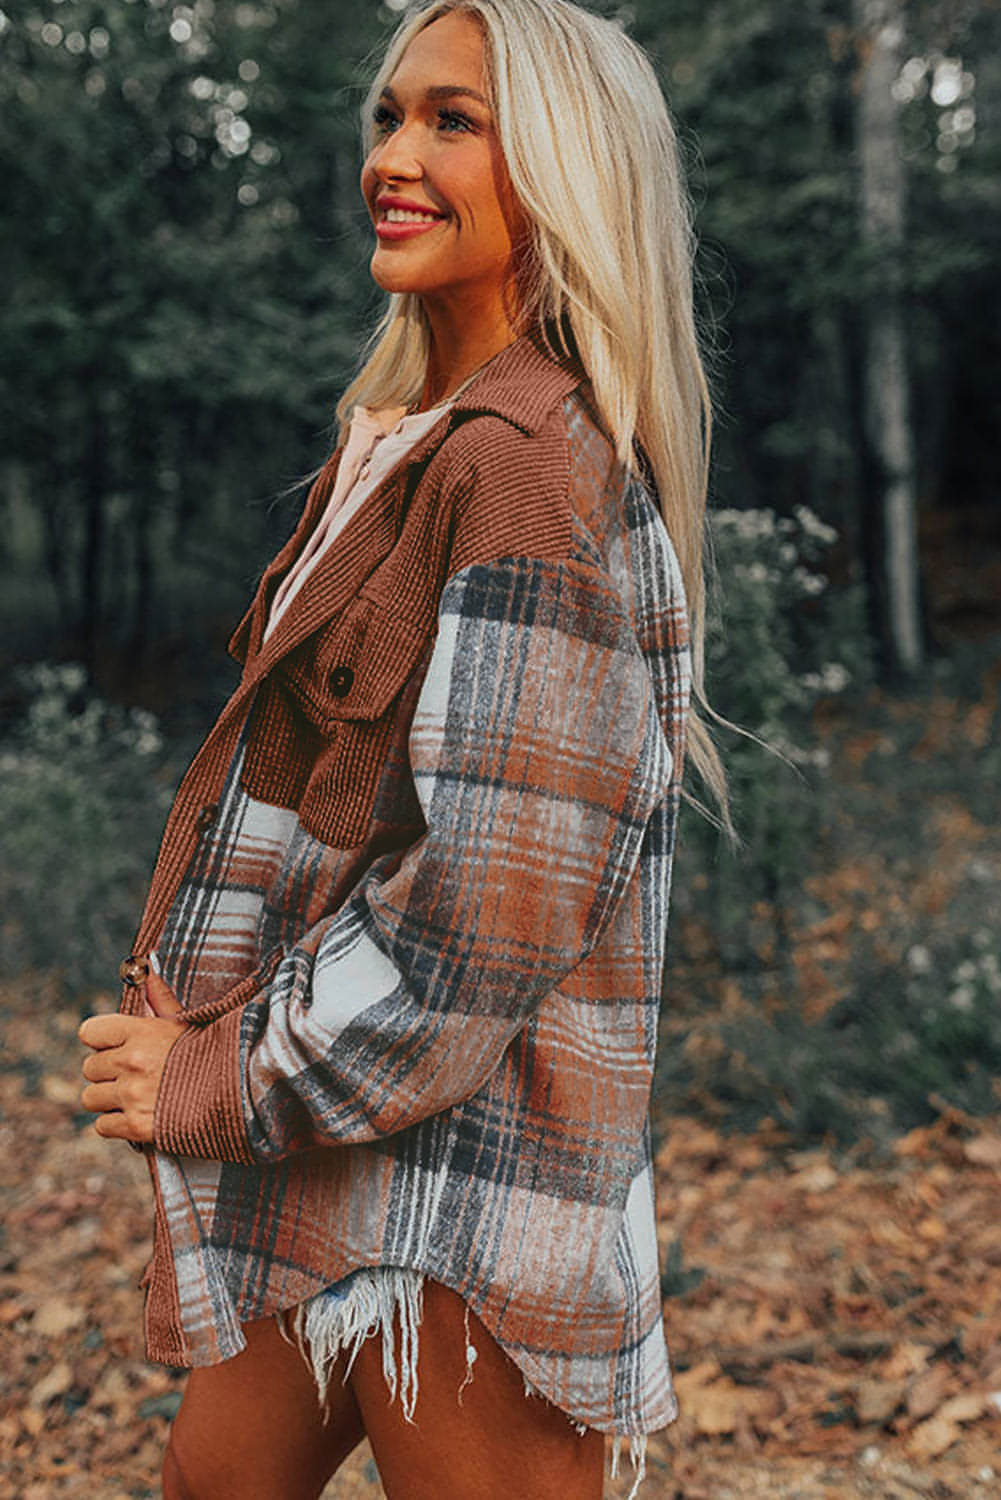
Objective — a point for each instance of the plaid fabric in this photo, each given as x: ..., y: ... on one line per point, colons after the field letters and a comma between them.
x: 432, y: 1048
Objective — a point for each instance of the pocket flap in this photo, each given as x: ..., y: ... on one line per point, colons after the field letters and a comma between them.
x: 354, y: 667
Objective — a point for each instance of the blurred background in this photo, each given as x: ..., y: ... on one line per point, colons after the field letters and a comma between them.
x: 185, y: 262
x: 185, y: 267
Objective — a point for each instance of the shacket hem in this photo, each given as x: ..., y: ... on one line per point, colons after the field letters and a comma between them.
x: 167, y: 1351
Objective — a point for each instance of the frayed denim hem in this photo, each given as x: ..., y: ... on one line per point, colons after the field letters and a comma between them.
x: 339, y: 1319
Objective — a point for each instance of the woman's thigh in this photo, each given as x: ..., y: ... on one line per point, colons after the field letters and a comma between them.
x: 252, y: 1428
x: 490, y: 1442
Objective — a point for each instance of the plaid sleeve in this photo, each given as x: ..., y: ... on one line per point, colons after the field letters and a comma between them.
x: 538, y: 757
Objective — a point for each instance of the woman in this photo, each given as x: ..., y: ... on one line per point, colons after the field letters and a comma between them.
x: 388, y: 1028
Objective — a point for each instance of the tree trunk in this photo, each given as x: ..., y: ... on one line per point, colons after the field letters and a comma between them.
x: 95, y: 487
x: 886, y: 394
x: 56, y: 548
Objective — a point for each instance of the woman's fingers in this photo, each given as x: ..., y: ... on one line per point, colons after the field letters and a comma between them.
x: 119, y: 1127
x: 99, y: 1067
x: 160, y: 997
x: 99, y: 1097
x: 125, y: 1067
x: 105, y: 1031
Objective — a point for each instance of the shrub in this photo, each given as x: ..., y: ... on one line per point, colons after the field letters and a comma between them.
x: 879, y: 1061
x: 83, y: 795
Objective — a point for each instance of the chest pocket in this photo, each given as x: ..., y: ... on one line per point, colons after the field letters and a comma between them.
x: 328, y: 733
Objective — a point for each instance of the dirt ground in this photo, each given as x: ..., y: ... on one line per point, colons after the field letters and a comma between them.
x: 835, y: 1324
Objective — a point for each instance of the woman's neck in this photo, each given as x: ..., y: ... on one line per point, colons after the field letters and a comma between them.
x: 460, y: 345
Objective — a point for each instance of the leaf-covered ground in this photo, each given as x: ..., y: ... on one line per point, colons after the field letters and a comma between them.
x: 834, y: 1312
x: 836, y: 1326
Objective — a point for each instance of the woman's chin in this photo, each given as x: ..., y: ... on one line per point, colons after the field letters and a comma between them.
x: 392, y: 272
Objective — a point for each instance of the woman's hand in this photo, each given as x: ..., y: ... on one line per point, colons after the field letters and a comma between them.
x: 127, y: 1062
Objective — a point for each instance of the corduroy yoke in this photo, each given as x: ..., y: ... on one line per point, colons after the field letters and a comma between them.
x: 413, y: 897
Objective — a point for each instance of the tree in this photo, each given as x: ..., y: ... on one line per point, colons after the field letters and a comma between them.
x: 189, y: 289
x: 797, y: 291
x: 887, y: 414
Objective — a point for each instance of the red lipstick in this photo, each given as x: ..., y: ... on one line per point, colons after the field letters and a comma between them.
x: 402, y: 226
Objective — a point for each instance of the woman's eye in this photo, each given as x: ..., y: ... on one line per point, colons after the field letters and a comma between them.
x: 451, y: 119
x: 383, y: 119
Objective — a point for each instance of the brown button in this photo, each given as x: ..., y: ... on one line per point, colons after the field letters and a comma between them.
x: 133, y: 970
x: 341, y: 681
x: 207, y: 817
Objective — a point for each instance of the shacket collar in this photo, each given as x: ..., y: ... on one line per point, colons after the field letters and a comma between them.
x: 522, y: 384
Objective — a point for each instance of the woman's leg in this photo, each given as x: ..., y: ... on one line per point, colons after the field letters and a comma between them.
x: 496, y: 1444
x: 252, y: 1428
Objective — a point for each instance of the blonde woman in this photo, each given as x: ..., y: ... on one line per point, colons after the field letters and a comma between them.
x: 388, y: 1028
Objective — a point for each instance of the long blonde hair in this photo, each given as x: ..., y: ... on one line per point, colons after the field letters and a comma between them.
x: 594, y: 163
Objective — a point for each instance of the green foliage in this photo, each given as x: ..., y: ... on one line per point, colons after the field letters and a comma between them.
x: 190, y: 260
x: 82, y: 802
x: 190, y: 257
x: 765, y: 92
x: 780, y: 642
x: 875, y: 1062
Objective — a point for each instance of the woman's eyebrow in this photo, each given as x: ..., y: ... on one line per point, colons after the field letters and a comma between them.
x: 441, y: 91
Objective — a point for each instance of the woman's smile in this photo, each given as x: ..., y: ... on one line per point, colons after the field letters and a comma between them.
x: 400, y: 218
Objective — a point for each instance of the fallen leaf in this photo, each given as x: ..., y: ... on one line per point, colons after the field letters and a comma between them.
x: 984, y: 1150
x: 966, y: 1407
x: 932, y: 1438
x: 819, y: 1178
x: 686, y: 1381
x: 113, y: 1386
x: 877, y: 1400
x: 915, y: 1143
x: 726, y: 1407
x: 60, y: 1090
x: 161, y: 1406
x: 56, y: 1383
x: 57, y: 1317
x: 927, y: 1392
x: 906, y: 1359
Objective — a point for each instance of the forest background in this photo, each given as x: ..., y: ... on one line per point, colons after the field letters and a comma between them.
x: 185, y: 259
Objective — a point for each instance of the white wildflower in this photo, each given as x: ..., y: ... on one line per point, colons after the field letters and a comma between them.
x: 747, y: 525
x: 812, y: 526
x: 835, y: 677
x: 919, y: 959
x: 810, y: 583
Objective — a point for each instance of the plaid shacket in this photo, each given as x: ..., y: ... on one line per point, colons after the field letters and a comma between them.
x: 413, y: 895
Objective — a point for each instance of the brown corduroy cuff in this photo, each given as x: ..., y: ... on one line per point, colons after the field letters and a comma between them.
x: 199, y: 1107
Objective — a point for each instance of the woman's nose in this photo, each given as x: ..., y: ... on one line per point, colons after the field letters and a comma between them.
x: 396, y: 156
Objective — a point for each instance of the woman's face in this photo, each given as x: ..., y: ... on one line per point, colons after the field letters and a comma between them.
x: 435, y: 181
